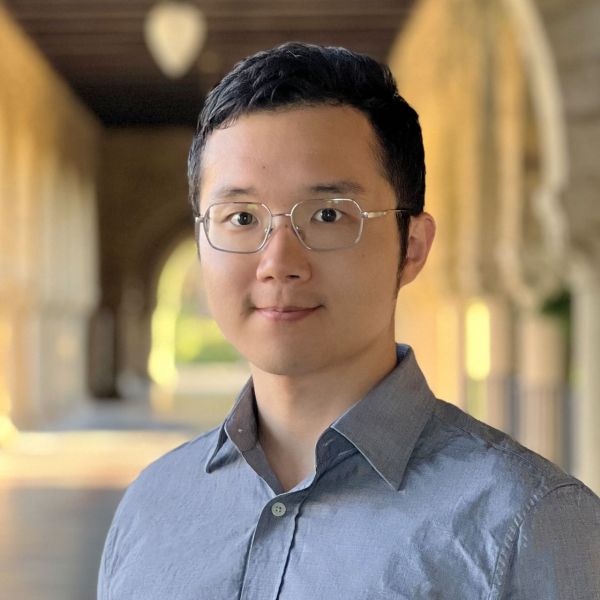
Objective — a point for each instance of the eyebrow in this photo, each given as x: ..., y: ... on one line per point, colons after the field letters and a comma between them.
x: 235, y: 192
x: 344, y: 187
x: 338, y: 188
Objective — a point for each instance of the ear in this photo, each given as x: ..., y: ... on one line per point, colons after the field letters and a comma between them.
x: 420, y: 238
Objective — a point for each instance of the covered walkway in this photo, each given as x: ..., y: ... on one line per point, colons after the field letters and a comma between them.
x: 99, y: 281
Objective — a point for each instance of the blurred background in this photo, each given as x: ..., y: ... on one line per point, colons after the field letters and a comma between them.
x: 108, y: 356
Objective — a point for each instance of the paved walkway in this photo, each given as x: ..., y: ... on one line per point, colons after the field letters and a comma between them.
x: 59, y: 490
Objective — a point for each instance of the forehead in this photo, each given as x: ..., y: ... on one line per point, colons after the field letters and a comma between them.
x: 291, y: 149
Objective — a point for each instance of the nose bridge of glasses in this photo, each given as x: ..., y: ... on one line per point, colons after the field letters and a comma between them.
x: 283, y: 214
x: 294, y: 227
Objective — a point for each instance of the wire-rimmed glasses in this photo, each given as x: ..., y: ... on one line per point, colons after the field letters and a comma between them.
x: 319, y: 224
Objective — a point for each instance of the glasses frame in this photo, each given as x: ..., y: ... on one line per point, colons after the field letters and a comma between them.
x: 364, y: 215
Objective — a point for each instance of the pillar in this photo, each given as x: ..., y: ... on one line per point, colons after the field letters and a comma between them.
x: 541, y: 372
x: 586, y: 376
x: 499, y: 384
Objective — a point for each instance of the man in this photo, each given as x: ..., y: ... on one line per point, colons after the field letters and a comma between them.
x: 337, y: 474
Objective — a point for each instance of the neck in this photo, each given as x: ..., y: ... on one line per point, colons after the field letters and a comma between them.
x: 293, y: 411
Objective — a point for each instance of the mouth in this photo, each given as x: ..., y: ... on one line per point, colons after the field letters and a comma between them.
x: 286, y: 313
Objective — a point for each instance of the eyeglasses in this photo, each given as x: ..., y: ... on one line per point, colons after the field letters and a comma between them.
x: 245, y: 227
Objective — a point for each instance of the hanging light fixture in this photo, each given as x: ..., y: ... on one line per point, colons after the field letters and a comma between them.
x: 175, y: 32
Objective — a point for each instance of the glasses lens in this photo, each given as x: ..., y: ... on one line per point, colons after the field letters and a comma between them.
x: 328, y: 224
x: 237, y: 226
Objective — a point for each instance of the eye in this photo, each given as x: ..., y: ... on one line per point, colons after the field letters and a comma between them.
x: 327, y: 215
x: 242, y: 219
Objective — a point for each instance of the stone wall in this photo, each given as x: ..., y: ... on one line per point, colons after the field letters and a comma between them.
x: 573, y: 29
x: 48, y: 235
x: 508, y: 94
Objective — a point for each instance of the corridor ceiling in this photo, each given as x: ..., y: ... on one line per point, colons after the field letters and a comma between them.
x: 98, y: 46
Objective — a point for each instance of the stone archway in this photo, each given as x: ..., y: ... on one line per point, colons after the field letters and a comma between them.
x: 143, y: 214
x: 491, y: 180
x: 511, y: 184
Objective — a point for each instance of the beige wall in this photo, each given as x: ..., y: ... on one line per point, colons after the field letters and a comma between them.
x: 573, y: 32
x: 48, y: 238
x: 507, y: 92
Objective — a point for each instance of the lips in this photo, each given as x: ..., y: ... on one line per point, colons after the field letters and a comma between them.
x: 286, y: 313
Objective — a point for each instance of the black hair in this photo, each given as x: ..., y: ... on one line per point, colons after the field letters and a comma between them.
x: 298, y: 74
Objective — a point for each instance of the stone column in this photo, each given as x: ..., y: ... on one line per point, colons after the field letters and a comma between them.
x: 6, y: 427
x: 586, y: 375
x: 132, y: 379
x: 101, y: 352
x: 499, y: 382
x: 541, y: 370
x: 449, y: 344
x: 25, y: 409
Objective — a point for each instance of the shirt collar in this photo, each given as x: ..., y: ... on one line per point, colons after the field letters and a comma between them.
x: 384, y: 426
x: 239, y: 425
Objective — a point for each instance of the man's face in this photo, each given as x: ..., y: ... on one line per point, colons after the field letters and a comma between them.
x: 290, y: 310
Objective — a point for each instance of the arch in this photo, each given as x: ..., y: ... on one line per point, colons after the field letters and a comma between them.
x: 161, y: 361
x: 183, y: 335
x: 482, y: 77
x: 543, y: 89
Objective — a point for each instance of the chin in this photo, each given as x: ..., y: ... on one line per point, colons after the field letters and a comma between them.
x: 287, y: 362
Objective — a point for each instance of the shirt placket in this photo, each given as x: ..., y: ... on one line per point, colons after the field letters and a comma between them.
x: 270, y: 547
x: 274, y: 534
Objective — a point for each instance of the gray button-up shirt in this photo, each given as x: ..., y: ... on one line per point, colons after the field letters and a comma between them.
x: 411, y: 498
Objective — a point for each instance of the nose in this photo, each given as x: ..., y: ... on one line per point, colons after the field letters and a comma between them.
x: 284, y: 258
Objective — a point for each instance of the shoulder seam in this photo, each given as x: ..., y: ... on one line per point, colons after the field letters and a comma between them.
x: 507, y: 550
x: 565, y: 477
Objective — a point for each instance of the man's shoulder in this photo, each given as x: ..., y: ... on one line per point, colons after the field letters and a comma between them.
x: 539, y: 519
x: 194, y: 449
x: 181, y: 466
x: 490, y: 456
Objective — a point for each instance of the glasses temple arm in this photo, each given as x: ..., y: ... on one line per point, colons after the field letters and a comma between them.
x: 365, y: 214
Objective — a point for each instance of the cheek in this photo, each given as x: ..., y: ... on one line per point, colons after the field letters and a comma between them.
x: 373, y: 290
x: 378, y: 268
x: 364, y: 288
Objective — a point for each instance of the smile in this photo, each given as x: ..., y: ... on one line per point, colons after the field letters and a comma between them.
x: 286, y: 313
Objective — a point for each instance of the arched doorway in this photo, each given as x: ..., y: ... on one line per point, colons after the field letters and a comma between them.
x: 482, y: 78
x: 195, y: 372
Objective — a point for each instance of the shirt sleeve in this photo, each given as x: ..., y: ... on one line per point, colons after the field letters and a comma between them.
x: 102, y: 591
x: 556, y: 551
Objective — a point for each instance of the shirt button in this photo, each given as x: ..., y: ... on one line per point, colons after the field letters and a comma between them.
x: 278, y: 509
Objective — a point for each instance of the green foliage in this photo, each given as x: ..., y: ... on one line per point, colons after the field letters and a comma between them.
x: 198, y: 339
x: 558, y: 305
